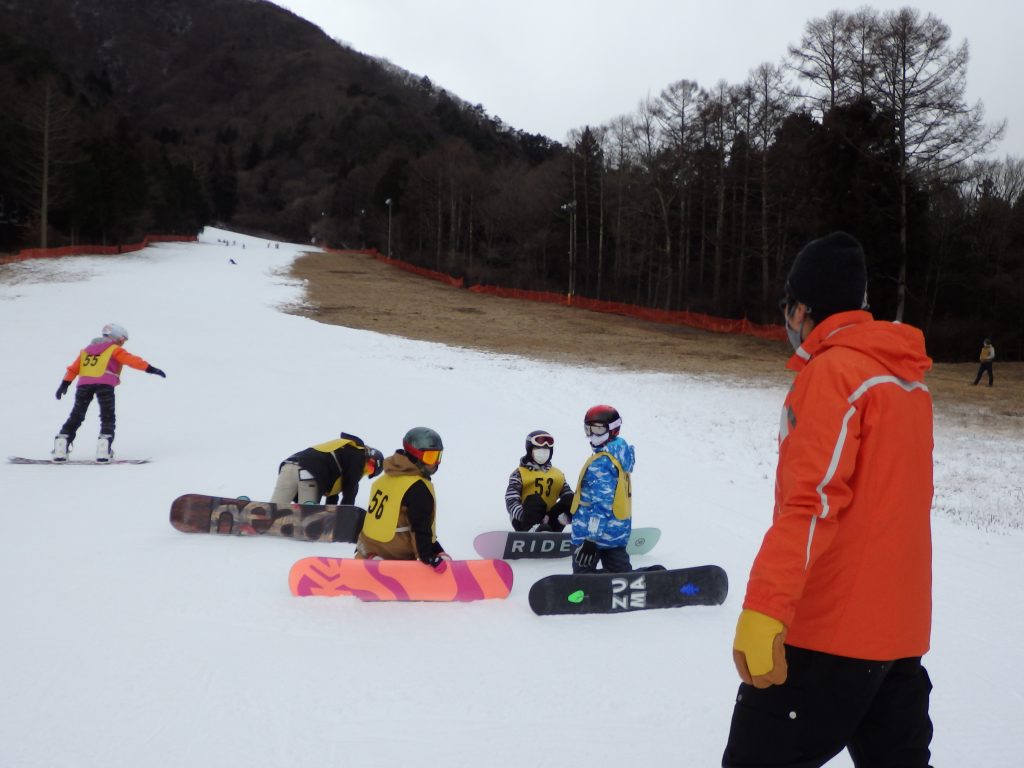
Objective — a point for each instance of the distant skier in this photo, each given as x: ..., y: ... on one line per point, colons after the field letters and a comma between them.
x: 326, y: 471
x: 402, y: 514
x: 98, y: 368
x: 986, y: 358
x: 602, y: 509
x: 537, y: 497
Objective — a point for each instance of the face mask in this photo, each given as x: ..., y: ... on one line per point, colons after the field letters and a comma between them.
x: 599, y: 440
x: 794, y: 336
x: 541, y: 455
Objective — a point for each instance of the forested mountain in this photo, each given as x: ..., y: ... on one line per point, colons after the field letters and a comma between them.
x: 174, y: 113
x: 131, y: 116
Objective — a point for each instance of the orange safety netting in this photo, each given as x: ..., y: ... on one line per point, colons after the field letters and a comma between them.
x: 95, y: 250
x: 666, y: 316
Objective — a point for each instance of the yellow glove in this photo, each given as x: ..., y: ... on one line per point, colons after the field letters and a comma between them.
x: 758, y: 650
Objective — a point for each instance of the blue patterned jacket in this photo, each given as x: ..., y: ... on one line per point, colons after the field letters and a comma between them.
x: 594, y: 519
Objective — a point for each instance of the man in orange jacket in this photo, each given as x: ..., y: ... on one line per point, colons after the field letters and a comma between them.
x: 837, y: 611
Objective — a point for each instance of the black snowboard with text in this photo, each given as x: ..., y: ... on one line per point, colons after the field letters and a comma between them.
x: 632, y: 591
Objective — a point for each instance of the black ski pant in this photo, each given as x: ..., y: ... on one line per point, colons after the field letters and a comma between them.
x: 878, y: 710
x: 104, y: 394
x: 615, y: 560
x: 984, y: 368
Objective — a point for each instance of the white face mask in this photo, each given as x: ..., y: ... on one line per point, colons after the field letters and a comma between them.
x: 598, y: 440
x: 795, y: 337
x: 541, y: 455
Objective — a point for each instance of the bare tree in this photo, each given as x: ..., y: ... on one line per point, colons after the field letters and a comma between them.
x: 650, y: 151
x: 676, y: 111
x: 719, y: 105
x: 861, y: 30
x: 822, y: 58
x: 48, y: 119
x: 768, y: 82
x: 920, y: 81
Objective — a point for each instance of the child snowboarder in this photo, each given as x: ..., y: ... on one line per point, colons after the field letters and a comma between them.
x: 402, y: 514
x: 537, y: 497
x: 98, y: 368
x: 325, y: 471
x: 602, y: 509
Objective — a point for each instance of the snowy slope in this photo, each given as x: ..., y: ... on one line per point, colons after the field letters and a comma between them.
x: 126, y: 643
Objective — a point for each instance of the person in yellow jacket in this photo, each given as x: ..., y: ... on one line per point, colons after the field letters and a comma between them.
x: 986, y: 358
x: 401, y: 517
x: 326, y: 471
x: 837, y: 611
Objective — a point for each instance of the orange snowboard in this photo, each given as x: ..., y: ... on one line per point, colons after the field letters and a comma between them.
x: 402, y: 580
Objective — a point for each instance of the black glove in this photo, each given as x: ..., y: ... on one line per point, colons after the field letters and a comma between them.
x: 534, y: 509
x: 63, y: 389
x: 433, y: 560
x: 156, y: 372
x: 585, y: 554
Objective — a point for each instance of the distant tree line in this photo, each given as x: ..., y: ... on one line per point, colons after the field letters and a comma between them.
x: 698, y: 200
x: 72, y: 170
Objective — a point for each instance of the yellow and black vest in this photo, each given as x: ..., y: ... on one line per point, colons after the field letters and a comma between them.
x: 622, y: 504
x: 386, y: 496
x: 547, y: 483
x: 330, y: 447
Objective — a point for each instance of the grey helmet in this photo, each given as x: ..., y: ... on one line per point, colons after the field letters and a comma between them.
x: 115, y: 332
x: 423, y: 445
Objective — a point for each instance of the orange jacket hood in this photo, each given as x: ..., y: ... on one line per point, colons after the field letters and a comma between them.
x: 898, y: 348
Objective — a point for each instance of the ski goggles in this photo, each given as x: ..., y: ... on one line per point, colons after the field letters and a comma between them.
x: 542, y: 441
x: 430, y: 456
x: 595, y: 429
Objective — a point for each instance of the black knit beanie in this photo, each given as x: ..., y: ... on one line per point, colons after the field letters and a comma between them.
x: 829, y: 275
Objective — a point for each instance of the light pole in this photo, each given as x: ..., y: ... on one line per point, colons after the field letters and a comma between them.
x: 388, y: 204
x: 570, y: 208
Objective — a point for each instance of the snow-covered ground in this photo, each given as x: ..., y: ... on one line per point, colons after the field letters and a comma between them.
x: 126, y: 643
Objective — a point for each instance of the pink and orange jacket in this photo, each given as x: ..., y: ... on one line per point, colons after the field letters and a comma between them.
x: 111, y: 374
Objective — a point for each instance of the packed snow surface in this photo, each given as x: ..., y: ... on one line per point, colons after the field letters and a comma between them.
x: 126, y: 643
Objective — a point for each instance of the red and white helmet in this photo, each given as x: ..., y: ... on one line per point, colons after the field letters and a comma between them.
x: 601, y: 424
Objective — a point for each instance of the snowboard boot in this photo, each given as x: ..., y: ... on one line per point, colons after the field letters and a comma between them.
x: 103, y: 452
x: 60, y: 448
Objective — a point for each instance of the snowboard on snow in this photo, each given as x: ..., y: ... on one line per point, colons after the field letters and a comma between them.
x: 76, y: 462
x: 400, y: 580
x: 196, y: 513
x: 633, y: 591
x: 514, y: 545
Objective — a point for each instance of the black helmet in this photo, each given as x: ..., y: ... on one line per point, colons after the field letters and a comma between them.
x: 374, y: 462
x: 539, y: 438
x: 601, y: 424
x: 423, y: 445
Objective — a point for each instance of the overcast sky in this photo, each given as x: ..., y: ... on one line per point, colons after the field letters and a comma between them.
x: 548, y: 66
